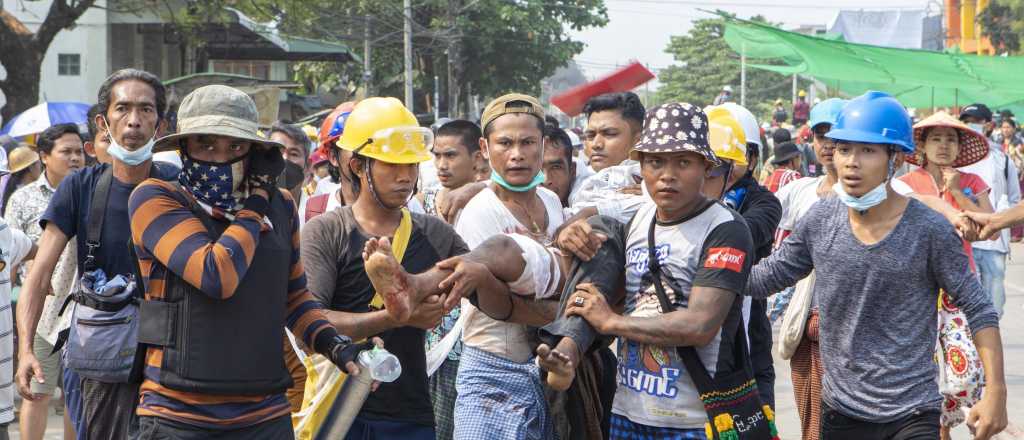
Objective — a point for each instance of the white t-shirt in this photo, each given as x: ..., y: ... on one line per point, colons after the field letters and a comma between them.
x: 14, y: 246
x: 483, y: 217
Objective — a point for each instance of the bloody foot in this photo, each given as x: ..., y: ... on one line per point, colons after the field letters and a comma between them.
x: 389, y: 279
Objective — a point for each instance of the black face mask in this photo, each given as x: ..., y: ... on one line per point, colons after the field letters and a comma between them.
x: 292, y: 176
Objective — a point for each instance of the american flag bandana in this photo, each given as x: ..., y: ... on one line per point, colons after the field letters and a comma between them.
x: 216, y: 184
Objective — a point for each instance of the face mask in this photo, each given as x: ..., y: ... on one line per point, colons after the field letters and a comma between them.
x: 863, y: 203
x: 980, y: 128
x: 537, y: 180
x: 130, y: 158
x: 215, y: 184
x: 292, y: 176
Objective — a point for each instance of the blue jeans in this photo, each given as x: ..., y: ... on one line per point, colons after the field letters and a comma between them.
x: 992, y: 269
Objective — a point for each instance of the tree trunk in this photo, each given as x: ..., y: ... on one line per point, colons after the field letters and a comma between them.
x: 22, y: 84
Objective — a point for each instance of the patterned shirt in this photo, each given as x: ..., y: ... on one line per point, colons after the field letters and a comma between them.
x: 435, y: 334
x: 168, y: 236
x: 26, y: 207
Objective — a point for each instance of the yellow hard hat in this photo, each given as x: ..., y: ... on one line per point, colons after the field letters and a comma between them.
x: 310, y: 132
x: 802, y: 93
x: 383, y: 129
x: 726, y: 135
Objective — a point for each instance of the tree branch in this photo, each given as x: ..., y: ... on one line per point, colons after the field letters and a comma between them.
x: 60, y: 16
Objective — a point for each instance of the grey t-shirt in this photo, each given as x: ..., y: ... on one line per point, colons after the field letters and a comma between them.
x: 877, y: 304
x: 332, y: 247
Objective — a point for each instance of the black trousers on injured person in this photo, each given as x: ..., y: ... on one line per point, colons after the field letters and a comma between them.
x: 605, y: 271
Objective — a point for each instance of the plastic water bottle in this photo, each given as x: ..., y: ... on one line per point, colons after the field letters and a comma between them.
x: 376, y: 364
x: 383, y: 366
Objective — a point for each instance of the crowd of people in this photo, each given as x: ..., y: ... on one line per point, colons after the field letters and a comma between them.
x: 535, y: 282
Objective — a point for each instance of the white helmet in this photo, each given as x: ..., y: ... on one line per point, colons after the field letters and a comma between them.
x: 747, y: 121
x: 727, y: 88
x: 576, y: 142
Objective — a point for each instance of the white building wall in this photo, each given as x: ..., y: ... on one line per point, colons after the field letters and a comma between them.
x: 88, y: 39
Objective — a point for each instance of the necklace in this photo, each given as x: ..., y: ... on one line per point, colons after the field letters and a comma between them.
x: 535, y: 227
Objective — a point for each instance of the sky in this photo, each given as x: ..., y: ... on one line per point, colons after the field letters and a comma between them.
x: 640, y: 29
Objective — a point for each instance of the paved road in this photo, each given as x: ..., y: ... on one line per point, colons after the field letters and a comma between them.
x: 1012, y: 327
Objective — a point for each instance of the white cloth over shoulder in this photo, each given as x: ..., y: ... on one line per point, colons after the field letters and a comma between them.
x: 602, y: 192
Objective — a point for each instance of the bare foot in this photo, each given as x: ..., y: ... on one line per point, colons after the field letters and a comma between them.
x: 559, y: 363
x: 388, y: 277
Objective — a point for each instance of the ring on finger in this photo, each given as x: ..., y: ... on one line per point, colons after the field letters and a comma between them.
x: 578, y: 301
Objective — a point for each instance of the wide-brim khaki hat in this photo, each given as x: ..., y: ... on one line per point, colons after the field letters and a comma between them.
x: 973, y: 145
x: 216, y: 110
x: 21, y: 158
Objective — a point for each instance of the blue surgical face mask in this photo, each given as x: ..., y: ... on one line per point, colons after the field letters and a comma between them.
x: 130, y: 157
x: 980, y: 128
x: 863, y: 203
x: 537, y: 180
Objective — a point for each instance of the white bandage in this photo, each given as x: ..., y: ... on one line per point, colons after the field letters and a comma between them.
x: 541, y: 274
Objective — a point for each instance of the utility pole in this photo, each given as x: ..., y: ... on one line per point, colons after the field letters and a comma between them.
x: 408, y: 56
x: 367, y: 73
x: 743, y: 75
x: 437, y: 98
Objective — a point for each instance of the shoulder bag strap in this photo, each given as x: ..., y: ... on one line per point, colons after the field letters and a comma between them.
x: 97, y: 212
x: 689, y: 355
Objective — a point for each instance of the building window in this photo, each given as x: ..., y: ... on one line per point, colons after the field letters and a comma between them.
x: 257, y: 69
x: 69, y: 64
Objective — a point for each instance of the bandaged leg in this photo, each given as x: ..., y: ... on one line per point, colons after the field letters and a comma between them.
x: 529, y: 268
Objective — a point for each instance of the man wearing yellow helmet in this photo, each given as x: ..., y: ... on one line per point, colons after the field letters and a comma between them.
x: 385, y: 145
x: 733, y: 183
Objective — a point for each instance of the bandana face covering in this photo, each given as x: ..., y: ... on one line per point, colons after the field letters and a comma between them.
x: 214, y: 183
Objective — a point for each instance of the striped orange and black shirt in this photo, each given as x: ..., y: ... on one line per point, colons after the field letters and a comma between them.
x: 168, y: 236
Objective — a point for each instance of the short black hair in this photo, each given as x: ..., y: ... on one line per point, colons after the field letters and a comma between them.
x: 468, y: 133
x: 556, y: 135
x: 48, y: 138
x: 94, y: 130
x: 628, y: 103
x: 293, y: 132
x: 516, y: 104
x: 103, y: 98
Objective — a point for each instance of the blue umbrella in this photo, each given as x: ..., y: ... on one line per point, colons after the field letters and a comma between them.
x: 44, y: 115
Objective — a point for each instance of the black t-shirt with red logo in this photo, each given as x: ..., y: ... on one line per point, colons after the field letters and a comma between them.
x: 710, y: 248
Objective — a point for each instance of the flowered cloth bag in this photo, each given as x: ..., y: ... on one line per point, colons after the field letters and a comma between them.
x: 961, y: 376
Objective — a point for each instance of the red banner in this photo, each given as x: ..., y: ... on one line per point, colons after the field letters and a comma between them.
x: 623, y: 80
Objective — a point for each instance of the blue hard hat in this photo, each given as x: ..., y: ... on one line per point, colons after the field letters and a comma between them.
x: 874, y: 118
x: 827, y: 111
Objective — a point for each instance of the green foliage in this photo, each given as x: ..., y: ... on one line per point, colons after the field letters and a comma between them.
x: 502, y: 45
x: 706, y: 64
x: 1003, y: 23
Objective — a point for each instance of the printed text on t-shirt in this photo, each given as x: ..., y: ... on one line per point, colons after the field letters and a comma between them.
x: 725, y: 258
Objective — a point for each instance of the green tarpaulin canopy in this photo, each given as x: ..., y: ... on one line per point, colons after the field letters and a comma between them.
x: 919, y: 78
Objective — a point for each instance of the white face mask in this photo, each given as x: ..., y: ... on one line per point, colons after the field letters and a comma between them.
x: 872, y: 198
x: 980, y: 128
x: 130, y: 157
x: 863, y: 203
